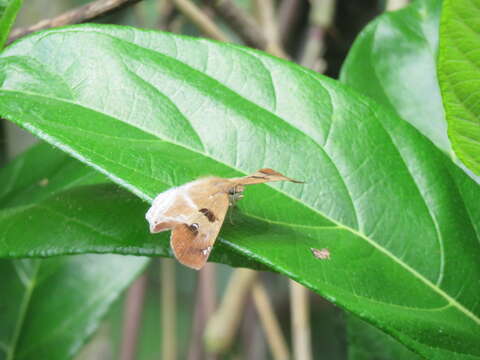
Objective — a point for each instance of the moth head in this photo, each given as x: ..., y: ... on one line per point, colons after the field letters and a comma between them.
x: 235, y: 193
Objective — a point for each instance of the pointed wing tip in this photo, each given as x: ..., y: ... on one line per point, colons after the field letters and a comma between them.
x: 273, y: 173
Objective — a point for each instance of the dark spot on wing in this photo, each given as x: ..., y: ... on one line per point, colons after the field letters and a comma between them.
x: 210, y: 215
x: 194, y: 228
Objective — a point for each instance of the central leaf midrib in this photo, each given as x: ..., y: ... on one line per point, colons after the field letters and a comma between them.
x: 407, y: 267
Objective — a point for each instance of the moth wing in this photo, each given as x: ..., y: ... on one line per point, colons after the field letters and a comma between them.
x: 263, y: 176
x: 168, y: 210
x: 191, y: 245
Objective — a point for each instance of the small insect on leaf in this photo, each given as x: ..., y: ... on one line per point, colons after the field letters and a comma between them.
x: 322, y: 254
x: 195, y: 212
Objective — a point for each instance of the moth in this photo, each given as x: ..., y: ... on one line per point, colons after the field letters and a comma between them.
x: 195, y: 211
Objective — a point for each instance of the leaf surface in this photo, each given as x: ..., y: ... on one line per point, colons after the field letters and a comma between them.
x: 153, y: 110
x: 8, y: 13
x: 459, y: 76
x: 393, y: 61
x: 50, y: 306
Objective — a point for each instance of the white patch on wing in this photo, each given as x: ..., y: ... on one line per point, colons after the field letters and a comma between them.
x: 189, y: 200
x: 161, y: 204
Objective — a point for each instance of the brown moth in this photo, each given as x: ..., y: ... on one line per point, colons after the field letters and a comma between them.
x: 195, y: 212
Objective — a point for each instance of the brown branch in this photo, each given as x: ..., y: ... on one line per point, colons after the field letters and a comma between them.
x: 269, y: 321
x: 393, y: 5
x: 241, y: 22
x: 265, y: 11
x: 205, y: 300
x: 223, y: 325
x: 169, y: 309
x: 78, y: 15
x: 166, y: 12
x: 320, y: 20
x: 200, y: 19
x: 300, y: 311
x: 131, y: 318
x: 289, y: 14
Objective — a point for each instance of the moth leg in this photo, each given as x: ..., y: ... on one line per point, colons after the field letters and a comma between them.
x: 235, y: 193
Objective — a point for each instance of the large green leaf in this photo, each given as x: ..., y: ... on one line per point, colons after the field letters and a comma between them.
x: 50, y: 307
x: 154, y: 110
x: 393, y: 61
x: 41, y: 172
x: 459, y: 75
x: 8, y: 12
x: 397, y: 54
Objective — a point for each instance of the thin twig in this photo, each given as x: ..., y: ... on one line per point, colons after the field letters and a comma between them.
x: 177, y: 23
x: 78, y: 15
x: 169, y: 309
x: 320, y: 20
x: 166, y: 9
x: 205, y: 300
x: 393, y: 5
x: 252, y: 336
x: 222, y: 326
x: 265, y: 10
x: 241, y: 22
x: 288, y: 16
x: 200, y: 19
x: 131, y: 318
x: 270, y: 324
x: 300, y: 311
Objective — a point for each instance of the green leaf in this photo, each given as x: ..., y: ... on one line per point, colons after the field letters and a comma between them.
x: 459, y: 75
x: 41, y: 172
x: 54, y: 305
x: 8, y: 12
x: 393, y: 61
x: 153, y: 110
x: 397, y: 52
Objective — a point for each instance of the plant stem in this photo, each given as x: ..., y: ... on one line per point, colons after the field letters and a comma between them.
x: 200, y: 19
x: 270, y: 324
x: 205, y: 300
x: 169, y: 309
x: 241, y: 22
x: 320, y: 20
x: 265, y: 10
x: 393, y: 5
x: 131, y: 318
x: 300, y: 311
x: 288, y: 16
x: 222, y: 326
x: 78, y: 15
